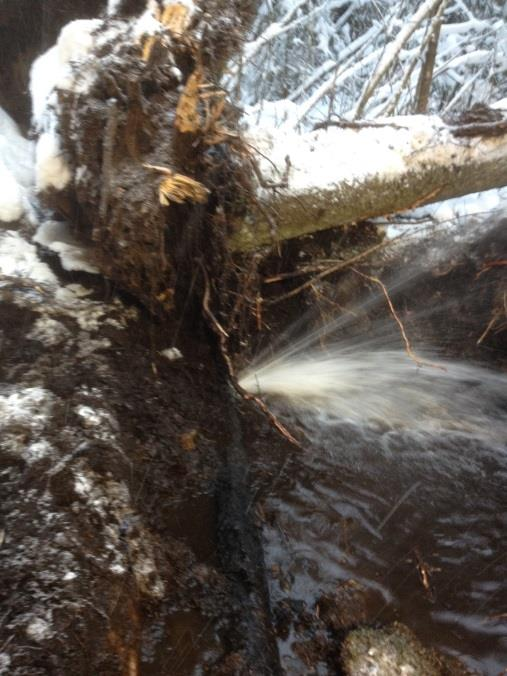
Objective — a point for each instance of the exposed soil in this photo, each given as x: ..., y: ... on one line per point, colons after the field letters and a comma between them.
x: 112, y: 560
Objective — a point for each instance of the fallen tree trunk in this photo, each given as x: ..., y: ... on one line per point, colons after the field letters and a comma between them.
x: 349, y: 172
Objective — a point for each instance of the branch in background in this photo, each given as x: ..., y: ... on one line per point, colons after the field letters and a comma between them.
x: 347, y: 53
x: 392, y: 51
x: 426, y: 74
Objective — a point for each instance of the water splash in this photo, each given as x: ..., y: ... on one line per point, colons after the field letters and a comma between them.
x: 382, y: 386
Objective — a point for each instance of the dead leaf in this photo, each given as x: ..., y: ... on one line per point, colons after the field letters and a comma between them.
x: 188, y: 440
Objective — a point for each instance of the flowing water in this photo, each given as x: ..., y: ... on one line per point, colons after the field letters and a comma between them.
x: 401, y: 485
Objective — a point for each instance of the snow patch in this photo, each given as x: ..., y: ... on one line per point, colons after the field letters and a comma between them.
x: 18, y: 258
x: 16, y: 170
x: 171, y: 353
x: 328, y: 159
x: 17, y: 152
x: 113, y: 6
x: 43, y: 78
x: 48, y: 331
x: 95, y: 417
x: 39, y: 630
x: 11, y: 196
x: 88, y: 346
x: 111, y: 502
x: 271, y: 114
x: 54, y: 69
x: 146, y: 25
x: 37, y: 451
x: 51, y: 168
x: 57, y: 237
x: 26, y: 406
x: 87, y: 313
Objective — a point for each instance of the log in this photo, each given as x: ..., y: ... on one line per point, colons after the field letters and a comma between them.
x: 349, y: 172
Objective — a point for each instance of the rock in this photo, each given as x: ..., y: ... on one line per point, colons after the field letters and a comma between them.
x: 391, y: 651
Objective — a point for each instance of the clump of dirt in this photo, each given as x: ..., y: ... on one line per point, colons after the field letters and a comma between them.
x: 121, y: 123
x: 392, y: 651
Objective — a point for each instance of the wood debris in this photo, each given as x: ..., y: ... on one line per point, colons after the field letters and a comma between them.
x: 176, y: 18
x: 188, y: 119
x: 178, y: 188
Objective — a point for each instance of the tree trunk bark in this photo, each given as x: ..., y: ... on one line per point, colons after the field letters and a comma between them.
x: 349, y: 172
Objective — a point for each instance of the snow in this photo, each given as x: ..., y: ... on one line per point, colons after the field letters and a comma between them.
x: 16, y: 152
x: 146, y: 24
x: 94, y: 417
x: 38, y: 450
x: 113, y: 6
x: 451, y: 214
x: 474, y: 204
x: 74, y: 256
x: 57, y: 68
x: 171, y: 353
x: 48, y: 331
x: 16, y: 170
x: 314, y: 163
x: 29, y: 406
x: 327, y: 158
x: 43, y: 78
x: 51, y: 168
x: 323, y: 59
x: 11, y: 196
x: 18, y: 258
x: 111, y: 503
x: 39, y: 629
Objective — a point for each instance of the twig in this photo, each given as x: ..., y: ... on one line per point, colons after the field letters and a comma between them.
x: 426, y: 75
x: 424, y: 571
x: 328, y: 271
x: 408, y: 347
x: 495, y: 317
x: 488, y: 266
x: 480, y: 129
x: 357, y: 124
x: 392, y: 51
x: 397, y: 505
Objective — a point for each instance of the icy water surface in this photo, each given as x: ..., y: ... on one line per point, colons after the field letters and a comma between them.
x: 401, y: 486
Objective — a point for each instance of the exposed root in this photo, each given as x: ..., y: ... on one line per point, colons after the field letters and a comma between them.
x: 325, y: 273
x: 497, y: 314
x: 408, y: 348
x: 222, y: 341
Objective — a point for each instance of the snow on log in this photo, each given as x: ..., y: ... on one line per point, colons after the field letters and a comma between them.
x: 348, y: 172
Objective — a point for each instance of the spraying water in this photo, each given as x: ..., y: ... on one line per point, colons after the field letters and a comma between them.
x: 370, y: 379
x: 402, y: 459
x: 383, y: 387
